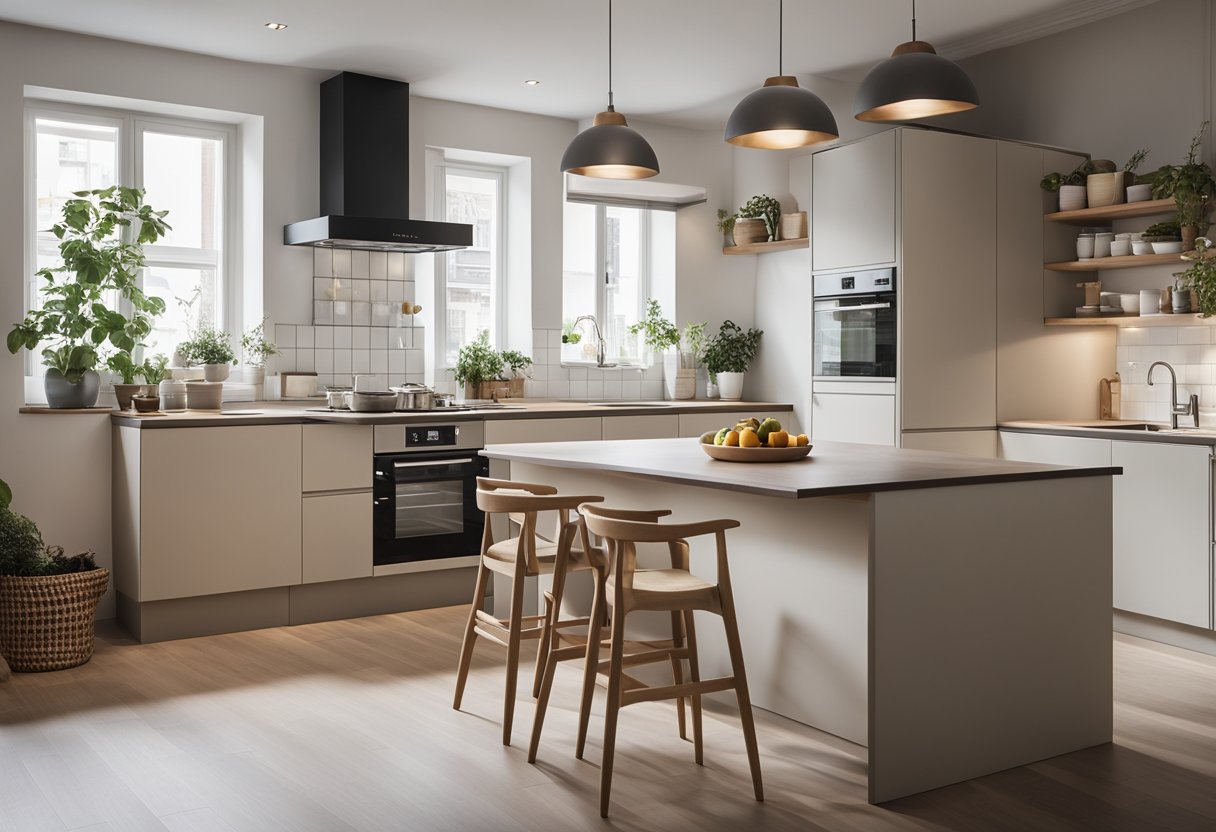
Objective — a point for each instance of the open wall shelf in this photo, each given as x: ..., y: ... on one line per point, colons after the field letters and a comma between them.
x: 761, y: 248
x: 1126, y: 211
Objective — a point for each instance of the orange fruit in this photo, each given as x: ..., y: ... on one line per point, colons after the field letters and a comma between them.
x: 778, y: 439
x: 803, y: 440
x: 748, y: 438
x: 732, y: 439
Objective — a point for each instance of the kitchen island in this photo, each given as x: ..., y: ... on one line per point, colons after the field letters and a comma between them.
x: 951, y: 613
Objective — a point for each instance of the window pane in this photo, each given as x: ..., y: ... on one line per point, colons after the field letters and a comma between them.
x: 189, y: 295
x: 184, y: 175
x: 579, y: 281
x: 472, y: 273
x: 625, y: 266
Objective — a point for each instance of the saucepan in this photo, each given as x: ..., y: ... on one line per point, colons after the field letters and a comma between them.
x: 414, y: 397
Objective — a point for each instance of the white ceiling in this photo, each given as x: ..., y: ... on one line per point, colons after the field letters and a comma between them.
x: 677, y: 61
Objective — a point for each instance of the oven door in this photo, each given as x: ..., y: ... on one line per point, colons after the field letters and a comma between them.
x: 426, y: 506
x: 855, y: 336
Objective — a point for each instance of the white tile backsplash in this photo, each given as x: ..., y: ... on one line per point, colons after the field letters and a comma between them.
x: 1189, y: 349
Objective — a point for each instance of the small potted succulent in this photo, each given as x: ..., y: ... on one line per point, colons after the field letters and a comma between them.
x: 728, y: 354
x: 726, y: 224
x: 1192, y: 187
x: 257, y: 350
x: 125, y: 367
x: 1137, y: 188
x: 757, y: 220
x: 211, y: 348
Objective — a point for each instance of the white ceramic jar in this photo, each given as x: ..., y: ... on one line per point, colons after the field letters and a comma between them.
x: 1085, y: 246
x: 172, y: 393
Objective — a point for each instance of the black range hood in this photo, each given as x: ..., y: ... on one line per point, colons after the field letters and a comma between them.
x: 365, y: 174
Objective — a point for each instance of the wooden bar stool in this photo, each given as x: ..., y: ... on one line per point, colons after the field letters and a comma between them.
x: 674, y: 650
x: 629, y: 589
x: 528, y: 555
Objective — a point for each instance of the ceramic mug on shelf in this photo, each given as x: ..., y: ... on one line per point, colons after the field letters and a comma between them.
x: 1102, y: 242
x: 1085, y: 246
x: 1150, y: 301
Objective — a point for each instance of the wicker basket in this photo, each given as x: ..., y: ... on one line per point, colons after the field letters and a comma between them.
x: 46, y: 622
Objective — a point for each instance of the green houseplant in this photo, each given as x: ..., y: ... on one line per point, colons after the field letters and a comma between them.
x: 125, y: 367
x: 211, y: 348
x: 155, y: 369
x: 47, y: 599
x: 726, y: 224
x: 101, y: 238
x: 519, y: 367
x: 257, y: 351
x: 762, y: 207
x: 662, y: 336
x: 478, y: 364
x: 1192, y: 187
x: 1200, y: 276
x: 728, y: 355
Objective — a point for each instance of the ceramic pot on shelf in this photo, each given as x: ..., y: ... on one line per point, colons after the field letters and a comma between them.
x: 62, y: 394
x: 730, y: 386
x: 216, y: 372
x: 1072, y: 197
x: 750, y: 230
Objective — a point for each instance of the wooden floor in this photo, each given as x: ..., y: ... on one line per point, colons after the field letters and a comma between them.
x: 348, y: 725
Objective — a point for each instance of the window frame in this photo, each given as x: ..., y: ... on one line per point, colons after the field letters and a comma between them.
x: 498, y: 284
x: 131, y: 126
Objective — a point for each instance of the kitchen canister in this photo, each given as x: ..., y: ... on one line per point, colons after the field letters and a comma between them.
x: 1130, y: 301
x: 1102, y: 241
x: 204, y: 395
x: 1085, y: 246
x: 172, y: 395
x: 1150, y: 301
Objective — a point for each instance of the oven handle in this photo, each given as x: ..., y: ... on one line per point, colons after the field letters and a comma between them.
x: 434, y: 463
x: 859, y: 308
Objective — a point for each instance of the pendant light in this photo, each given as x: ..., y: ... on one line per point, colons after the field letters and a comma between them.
x: 781, y: 114
x: 610, y: 148
x: 915, y: 82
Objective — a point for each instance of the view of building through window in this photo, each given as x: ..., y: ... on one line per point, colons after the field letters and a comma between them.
x: 473, y: 274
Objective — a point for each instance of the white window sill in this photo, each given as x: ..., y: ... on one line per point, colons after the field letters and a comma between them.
x: 591, y: 365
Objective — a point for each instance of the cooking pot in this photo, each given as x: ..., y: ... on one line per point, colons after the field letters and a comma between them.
x: 414, y: 397
x: 360, y: 402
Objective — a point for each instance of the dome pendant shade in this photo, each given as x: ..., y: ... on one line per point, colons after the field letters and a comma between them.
x: 915, y: 82
x: 610, y: 149
x: 781, y: 115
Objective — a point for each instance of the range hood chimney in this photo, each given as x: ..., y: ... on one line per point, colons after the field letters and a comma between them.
x: 365, y: 174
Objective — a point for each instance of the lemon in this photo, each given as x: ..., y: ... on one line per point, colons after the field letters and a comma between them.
x: 720, y: 436
x: 732, y: 438
x: 803, y: 440
x: 748, y: 438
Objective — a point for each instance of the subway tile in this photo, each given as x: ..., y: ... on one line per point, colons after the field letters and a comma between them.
x: 631, y: 389
x: 323, y: 361
x: 578, y: 373
x: 536, y: 389
x: 360, y: 289
x: 322, y: 262
x: 323, y: 312
x: 378, y: 339
x: 361, y: 313
x: 1162, y: 335
x: 396, y: 265
x: 396, y: 361
x: 595, y: 389
x: 305, y: 337
x: 396, y: 293
x: 651, y: 389
x: 612, y: 389
x: 380, y: 362
x: 559, y: 389
x: 540, y: 339
x: 343, y: 380
x: 378, y: 265
x: 360, y: 265
x: 1194, y: 335
x: 415, y: 378
x: 360, y: 337
x: 382, y: 314
x: 323, y: 337
x: 342, y: 263
x: 325, y: 381
x: 285, y: 335
x: 342, y: 361
x: 414, y: 361
x: 342, y: 313
x: 361, y: 361
x: 378, y: 290
x: 578, y: 389
x: 285, y: 361
x: 342, y: 337
x: 305, y: 361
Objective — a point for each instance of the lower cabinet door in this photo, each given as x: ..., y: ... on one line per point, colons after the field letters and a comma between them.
x: 846, y: 417
x: 1162, y: 538
x: 981, y: 443
x: 337, y: 537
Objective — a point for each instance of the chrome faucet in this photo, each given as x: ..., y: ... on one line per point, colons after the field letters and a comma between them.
x: 600, y: 345
x: 1190, y: 408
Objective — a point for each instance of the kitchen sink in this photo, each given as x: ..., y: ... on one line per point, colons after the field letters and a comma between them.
x: 1149, y: 426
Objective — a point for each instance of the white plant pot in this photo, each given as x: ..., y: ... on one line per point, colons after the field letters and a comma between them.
x: 1072, y: 197
x: 255, y: 374
x: 678, y: 383
x: 730, y: 386
x: 216, y: 372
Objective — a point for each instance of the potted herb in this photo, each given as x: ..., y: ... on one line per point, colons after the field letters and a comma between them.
x: 519, y: 366
x: 122, y: 364
x: 763, y: 208
x: 1104, y: 185
x: 1200, y: 277
x: 1192, y: 188
x: 47, y: 599
x: 728, y: 354
x: 477, y: 365
x: 726, y: 224
x: 1071, y: 186
x: 210, y: 348
x: 662, y: 337
x: 1136, y: 186
x: 101, y: 239
x: 257, y: 350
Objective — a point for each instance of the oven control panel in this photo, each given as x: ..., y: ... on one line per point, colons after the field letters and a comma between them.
x: 432, y: 436
x: 429, y: 436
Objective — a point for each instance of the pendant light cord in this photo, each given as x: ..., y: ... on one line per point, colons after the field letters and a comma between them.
x: 913, y: 19
x: 610, y: 107
x: 780, y: 37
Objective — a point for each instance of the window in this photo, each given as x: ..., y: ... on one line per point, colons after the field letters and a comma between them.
x: 613, y: 257
x: 183, y: 166
x: 471, y: 293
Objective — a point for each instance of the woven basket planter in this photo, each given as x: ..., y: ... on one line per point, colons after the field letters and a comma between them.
x: 46, y: 622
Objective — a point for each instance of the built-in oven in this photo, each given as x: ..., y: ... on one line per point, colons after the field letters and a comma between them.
x: 425, y: 492
x: 854, y: 325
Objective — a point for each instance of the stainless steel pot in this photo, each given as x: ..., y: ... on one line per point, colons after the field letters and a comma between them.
x: 360, y: 402
x: 414, y: 397
x: 335, y: 397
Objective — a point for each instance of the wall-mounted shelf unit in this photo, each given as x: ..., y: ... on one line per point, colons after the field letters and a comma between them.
x: 761, y: 248
x: 1128, y: 210
x: 1131, y: 320
x: 1101, y: 264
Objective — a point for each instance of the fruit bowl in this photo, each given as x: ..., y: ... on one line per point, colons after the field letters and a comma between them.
x: 731, y: 453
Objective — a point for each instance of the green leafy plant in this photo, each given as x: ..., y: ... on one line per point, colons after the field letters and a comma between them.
x: 731, y: 350
x: 122, y: 363
x: 478, y: 361
x: 766, y: 208
x: 255, y: 346
x: 100, y: 260
x: 208, y: 346
x: 1136, y: 160
x: 1053, y: 181
x: 658, y: 333
x: 1190, y: 184
x: 154, y: 369
x: 1200, y: 276
x: 516, y: 362
x: 569, y: 334
x: 22, y: 552
x: 692, y: 343
x: 726, y: 221
x: 6, y: 495
x: 1164, y: 230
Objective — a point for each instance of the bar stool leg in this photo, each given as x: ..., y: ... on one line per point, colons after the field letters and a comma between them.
x: 513, y: 640
x: 694, y: 671
x: 470, y: 635
x: 741, y: 694
x: 613, y: 706
x: 546, y: 664
x: 591, y: 664
x: 677, y: 669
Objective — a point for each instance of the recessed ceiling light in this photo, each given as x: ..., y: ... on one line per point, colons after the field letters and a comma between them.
x: 276, y: 26
x: 531, y: 82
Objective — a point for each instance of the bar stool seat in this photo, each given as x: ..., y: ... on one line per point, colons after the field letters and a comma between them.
x: 667, y: 589
x: 501, y: 558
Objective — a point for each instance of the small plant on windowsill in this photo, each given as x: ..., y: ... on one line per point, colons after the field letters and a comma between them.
x: 257, y: 351
x: 101, y: 237
x: 477, y: 365
x: 210, y: 348
x: 125, y: 367
x: 155, y: 369
x: 517, y: 368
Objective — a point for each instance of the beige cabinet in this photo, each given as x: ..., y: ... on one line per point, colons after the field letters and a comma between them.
x: 948, y: 281
x: 337, y: 457
x: 850, y: 417
x: 505, y: 431
x: 650, y: 426
x: 982, y: 443
x: 1048, y: 449
x: 853, y: 204
x: 219, y: 510
x: 337, y: 537
x: 1162, y: 531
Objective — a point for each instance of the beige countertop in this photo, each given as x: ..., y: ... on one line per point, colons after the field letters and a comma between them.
x: 280, y: 413
x: 1115, y: 429
x: 832, y: 468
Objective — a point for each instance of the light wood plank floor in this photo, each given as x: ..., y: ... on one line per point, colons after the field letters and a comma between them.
x: 348, y: 726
